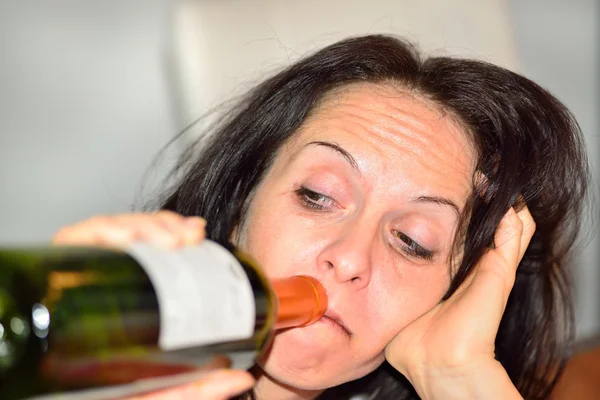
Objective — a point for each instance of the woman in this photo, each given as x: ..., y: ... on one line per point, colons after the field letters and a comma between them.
x: 421, y: 193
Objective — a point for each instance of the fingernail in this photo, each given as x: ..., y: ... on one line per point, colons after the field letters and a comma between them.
x: 195, y: 222
x: 167, y: 242
x: 216, y: 378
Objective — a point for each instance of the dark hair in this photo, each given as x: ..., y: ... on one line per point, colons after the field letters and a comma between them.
x: 527, y: 144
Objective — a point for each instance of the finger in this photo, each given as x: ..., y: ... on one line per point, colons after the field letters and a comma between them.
x: 148, y: 228
x: 196, y: 230
x: 215, y: 385
x: 528, y: 229
x: 66, y: 236
x: 190, y: 230
x: 507, y: 239
x: 166, y: 229
x: 94, y: 231
x: 118, y: 231
x: 149, y: 391
x: 227, y: 384
x: 501, y: 261
x: 217, y: 362
x: 495, y: 273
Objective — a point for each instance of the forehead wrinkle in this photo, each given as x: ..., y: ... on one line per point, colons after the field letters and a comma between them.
x: 455, y: 140
x: 411, y: 128
x: 429, y: 123
x: 354, y: 111
x: 352, y: 114
x: 418, y: 125
x: 413, y: 139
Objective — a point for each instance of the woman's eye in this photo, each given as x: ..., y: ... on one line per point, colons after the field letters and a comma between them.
x: 412, y: 248
x: 313, y: 200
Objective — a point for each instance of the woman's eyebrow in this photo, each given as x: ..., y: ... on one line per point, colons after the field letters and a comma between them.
x: 421, y: 199
x: 436, y: 200
x: 339, y: 150
x: 348, y: 157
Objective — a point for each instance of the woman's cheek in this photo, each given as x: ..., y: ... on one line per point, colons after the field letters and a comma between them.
x: 398, y: 301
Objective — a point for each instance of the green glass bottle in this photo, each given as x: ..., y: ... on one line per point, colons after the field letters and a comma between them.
x: 101, y: 323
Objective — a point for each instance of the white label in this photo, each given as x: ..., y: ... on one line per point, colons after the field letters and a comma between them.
x: 204, y: 296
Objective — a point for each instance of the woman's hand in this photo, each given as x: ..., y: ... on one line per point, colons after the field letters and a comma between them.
x: 448, y: 353
x: 167, y: 230
x: 215, y: 384
x: 212, y: 382
x: 164, y: 229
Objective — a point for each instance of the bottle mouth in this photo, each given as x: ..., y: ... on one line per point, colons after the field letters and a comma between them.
x: 302, y: 301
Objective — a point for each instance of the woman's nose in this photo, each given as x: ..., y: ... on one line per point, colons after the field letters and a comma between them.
x: 348, y: 258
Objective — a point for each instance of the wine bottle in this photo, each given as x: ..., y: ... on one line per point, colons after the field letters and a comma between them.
x: 103, y: 323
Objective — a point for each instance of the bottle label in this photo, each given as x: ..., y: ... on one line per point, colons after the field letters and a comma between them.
x: 204, y: 295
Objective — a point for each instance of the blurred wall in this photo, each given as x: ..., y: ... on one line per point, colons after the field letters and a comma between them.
x: 83, y: 109
x: 557, y: 44
x: 221, y: 48
x: 90, y: 91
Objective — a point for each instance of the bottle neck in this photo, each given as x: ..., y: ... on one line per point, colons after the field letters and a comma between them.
x: 302, y: 300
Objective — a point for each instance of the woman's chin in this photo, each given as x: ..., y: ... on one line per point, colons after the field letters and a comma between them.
x: 307, y: 358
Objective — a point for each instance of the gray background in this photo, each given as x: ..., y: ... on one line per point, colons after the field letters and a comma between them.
x: 88, y: 97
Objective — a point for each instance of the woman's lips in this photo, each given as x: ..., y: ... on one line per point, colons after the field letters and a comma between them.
x: 335, y: 321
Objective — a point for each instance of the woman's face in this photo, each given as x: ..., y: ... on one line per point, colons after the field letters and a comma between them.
x: 366, y: 198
